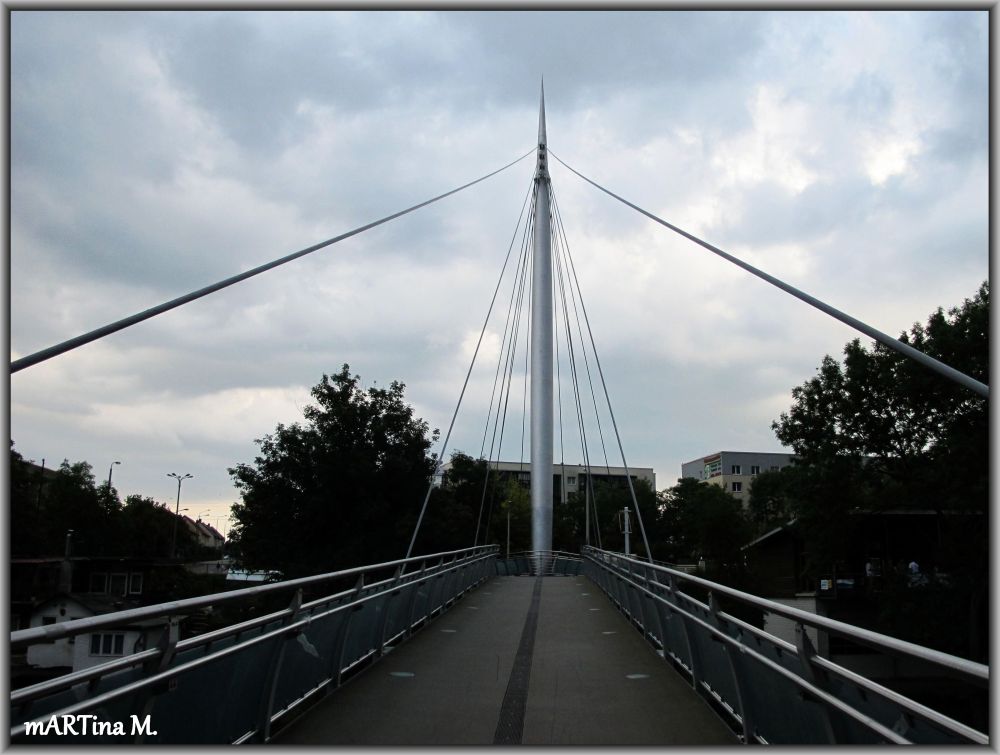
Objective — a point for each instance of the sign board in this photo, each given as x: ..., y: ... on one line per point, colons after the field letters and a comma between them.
x: 713, y: 466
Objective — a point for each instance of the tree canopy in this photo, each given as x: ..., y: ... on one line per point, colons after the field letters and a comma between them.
x: 881, y: 433
x: 342, y: 488
x: 702, y: 521
x: 45, y: 504
x: 894, y: 433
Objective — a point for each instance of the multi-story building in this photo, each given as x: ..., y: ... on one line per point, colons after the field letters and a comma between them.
x: 573, y: 475
x: 734, y: 471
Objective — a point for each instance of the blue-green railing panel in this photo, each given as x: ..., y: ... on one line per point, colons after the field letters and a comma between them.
x: 771, y: 690
x: 231, y: 684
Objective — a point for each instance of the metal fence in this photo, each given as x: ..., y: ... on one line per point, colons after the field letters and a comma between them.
x: 772, y: 690
x: 232, y: 684
x: 539, y: 563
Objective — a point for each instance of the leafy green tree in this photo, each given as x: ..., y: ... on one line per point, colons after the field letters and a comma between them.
x: 880, y: 431
x: 70, y: 501
x: 768, y: 505
x: 147, y: 529
x: 453, y: 511
x: 702, y: 521
x: 513, y: 499
x: 27, y: 518
x: 342, y: 489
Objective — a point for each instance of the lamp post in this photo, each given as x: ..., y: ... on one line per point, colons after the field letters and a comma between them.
x: 110, y: 470
x: 177, y: 510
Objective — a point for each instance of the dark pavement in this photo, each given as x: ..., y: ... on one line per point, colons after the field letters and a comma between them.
x: 493, y: 671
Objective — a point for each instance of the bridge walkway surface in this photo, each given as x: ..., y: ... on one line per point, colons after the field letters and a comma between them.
x: 520, y: 660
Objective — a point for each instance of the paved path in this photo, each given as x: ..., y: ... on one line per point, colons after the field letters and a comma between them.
x: 520, y: 660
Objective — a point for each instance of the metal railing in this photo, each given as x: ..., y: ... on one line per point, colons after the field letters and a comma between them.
x: 232, y: 684
x: 539, y: 563
x: 772, y: 690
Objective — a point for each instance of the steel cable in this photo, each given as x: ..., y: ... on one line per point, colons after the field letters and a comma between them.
x: 893, y: 343
x: 506, y: 349
x: 465, y: 384
x: 81, y: 340
x: 600, y: 371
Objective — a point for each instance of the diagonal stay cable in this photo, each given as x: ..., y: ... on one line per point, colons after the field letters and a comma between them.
x: 506, y: 348
x: 508, y: 377
x: 461, y: 395
x: 607, y: 397
x: 560, y: 231
x: 72, y: 343
x: 503, y: 341
x: 893, y: 343
x: 590, y: 499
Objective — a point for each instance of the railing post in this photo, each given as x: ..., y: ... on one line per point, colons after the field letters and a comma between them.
x: 742, y: 694
x: 693, y: 654
x: 835, y: 733
x: 645, y: 598
x: 167, y: 646
x: 274, y: 671
x: 416, y: 582
x: 390, y: 596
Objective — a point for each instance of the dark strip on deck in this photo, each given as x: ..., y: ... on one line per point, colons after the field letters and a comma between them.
x: 520, y: 660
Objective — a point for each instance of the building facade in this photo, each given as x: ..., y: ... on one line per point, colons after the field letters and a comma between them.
x: 569, y: 478
x: 734, y: 471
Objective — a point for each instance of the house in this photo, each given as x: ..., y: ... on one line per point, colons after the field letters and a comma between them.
x: 86, y: 650
x: 204, y: 533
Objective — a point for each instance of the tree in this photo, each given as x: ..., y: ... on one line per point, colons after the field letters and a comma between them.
x: 147, y: 530
x: 340, y: 490
x: 880, y: 431
x: 702, y: 521
x: 768, y: 505
x: 453, y: 519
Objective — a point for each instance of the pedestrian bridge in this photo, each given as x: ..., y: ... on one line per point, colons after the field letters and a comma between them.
x: 470, y: 648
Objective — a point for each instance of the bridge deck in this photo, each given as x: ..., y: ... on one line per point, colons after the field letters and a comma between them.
x: 482, y: 674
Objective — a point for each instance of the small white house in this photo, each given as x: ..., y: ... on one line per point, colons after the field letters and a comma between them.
x: 94, y: 648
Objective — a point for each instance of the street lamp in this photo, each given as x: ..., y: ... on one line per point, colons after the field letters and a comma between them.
x: 177, y: 510
x: 206, y: 511
x: 110, y: 470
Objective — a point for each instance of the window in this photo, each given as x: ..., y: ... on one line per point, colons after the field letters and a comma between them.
x: 117, y: 584
x: 135, y: 583
x: 737, y: 487
x: 755, y: 469
x: 735, y: 469
x: 98, y: 582
x: 774, y: 469
x: 108, y: 643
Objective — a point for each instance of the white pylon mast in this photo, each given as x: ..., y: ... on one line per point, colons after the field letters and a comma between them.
x: 541, y: 353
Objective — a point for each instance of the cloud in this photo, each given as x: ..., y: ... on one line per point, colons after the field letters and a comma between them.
x: 155, y: 152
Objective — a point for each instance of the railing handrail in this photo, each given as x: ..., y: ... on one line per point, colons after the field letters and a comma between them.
x: 292, y: 620
x: 52, y: 632
x: 136, y: 659
x: 963, y: 667
x: 559, y: 554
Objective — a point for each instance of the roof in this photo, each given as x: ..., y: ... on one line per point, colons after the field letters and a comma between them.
x: 751, y: 453
x: 96, y: 603
x: 203, y: 528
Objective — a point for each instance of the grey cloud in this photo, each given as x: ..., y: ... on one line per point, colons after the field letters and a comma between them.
x: 869, y: 97
x: 283, y: 129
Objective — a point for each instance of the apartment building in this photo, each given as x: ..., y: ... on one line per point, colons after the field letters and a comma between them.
x: 571, y: 478
x: 734, y: 471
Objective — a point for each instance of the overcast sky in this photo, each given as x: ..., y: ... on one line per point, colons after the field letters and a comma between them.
x: 153, y: 153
